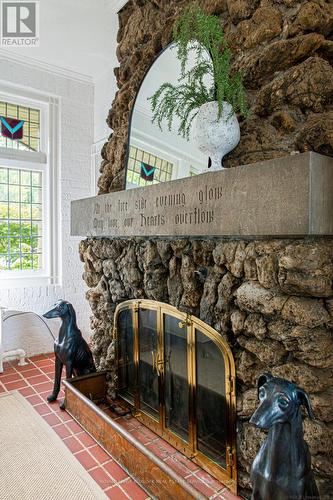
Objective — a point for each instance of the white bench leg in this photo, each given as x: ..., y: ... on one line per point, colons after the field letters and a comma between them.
x: 22, y: 355
x: 17, y: 353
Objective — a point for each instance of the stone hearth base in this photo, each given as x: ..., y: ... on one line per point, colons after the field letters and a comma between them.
x: 160, y: 468
x: 271, y: 300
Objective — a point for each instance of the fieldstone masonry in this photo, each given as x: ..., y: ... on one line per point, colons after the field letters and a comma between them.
x: 284, y: 49
x: 271, y: 299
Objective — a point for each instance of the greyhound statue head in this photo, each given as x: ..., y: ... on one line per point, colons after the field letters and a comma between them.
x: 61, y: 309
x: 280, y: 402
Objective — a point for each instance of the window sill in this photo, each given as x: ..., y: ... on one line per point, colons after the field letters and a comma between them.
x: 26, y: 281
x: 18, y: 155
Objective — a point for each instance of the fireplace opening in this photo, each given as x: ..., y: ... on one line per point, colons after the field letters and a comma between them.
x: 178, y: 375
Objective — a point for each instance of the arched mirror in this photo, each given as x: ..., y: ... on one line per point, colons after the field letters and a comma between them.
x: 156, y: 155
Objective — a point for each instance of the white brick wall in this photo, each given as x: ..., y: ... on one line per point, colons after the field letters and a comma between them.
x: 76, y: 100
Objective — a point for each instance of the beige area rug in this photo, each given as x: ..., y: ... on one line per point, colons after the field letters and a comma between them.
x: 34, y: 463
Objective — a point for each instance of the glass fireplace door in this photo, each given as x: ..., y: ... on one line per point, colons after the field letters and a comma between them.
x: 148, y: 376
x: 176, y: 383
x: 179, y: 375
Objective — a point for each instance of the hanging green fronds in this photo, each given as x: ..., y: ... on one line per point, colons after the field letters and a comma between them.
x: 202, y: 33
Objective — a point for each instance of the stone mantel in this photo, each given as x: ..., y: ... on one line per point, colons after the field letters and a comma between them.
x: 284, y: 197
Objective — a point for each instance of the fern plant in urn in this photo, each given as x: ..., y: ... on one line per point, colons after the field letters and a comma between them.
x: 207, y: 96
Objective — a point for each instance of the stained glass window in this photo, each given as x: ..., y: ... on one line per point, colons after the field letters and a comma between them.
x: 163, y: 167
x: 31, y: 127
x: 20, y: 219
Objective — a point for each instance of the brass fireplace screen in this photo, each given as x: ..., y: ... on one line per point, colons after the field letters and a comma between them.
x: 179, y: 375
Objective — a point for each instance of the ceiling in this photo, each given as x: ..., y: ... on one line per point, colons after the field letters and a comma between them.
x: 75, y: 35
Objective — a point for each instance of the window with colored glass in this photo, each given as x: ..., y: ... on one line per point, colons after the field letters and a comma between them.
x: 21, y: 219
x: 162, y: 169
x: 25, y: 122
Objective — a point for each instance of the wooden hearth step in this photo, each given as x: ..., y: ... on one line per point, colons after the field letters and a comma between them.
x: 162, y: 470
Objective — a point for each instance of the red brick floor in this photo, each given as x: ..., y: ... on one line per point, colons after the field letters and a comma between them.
x: 183, y: 466
x: 34, y: 382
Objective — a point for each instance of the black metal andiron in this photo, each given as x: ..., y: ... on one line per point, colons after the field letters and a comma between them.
x: 70, y: 349
x: 282, y: 468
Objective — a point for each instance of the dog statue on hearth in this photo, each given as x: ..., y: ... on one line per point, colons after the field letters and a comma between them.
x: 70, y: 349
x: 282, y: 468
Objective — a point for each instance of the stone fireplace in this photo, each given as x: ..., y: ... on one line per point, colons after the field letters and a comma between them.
x: 270, y: 300
x: 247, y: 253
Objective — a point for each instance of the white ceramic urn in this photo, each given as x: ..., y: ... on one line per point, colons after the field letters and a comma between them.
x: 216, y: 136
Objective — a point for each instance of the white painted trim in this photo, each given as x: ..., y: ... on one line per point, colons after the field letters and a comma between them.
x: 55, y: 239
x: 16, y: 91
x: 119, y: 4
x: 20, y: 98
x: 144, y: 111
x: 183, y: 163
x: 161, y: 146
x: 153, y: 148
x: 165, y: 154
x: 50, y: 144
x: 44, y: 66
x: 96, y: 160
x: 18, y: 155
x: 96, y: 147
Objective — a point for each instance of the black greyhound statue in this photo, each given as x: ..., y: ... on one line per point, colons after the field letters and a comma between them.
x: 70, y: 349
x: 282, y: 468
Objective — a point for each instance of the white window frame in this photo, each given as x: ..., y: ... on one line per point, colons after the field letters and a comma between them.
x: 182, y: 162
x: 45, y: 161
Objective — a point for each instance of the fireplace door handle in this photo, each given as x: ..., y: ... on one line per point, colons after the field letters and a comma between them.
x: 157, y: 363
x: 186, y: 322
x: 154, y: 356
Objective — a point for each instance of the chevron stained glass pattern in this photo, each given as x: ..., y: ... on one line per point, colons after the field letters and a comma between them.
x: 25, y: 122
x: 11, y: 128
x: 162, y: 168
x: 147, y: 172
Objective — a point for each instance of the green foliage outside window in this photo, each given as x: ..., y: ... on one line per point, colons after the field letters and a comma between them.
x: 20, y: 219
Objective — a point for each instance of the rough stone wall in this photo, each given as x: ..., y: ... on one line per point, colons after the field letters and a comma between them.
x: 271, y: 300
x: 283, y: 47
